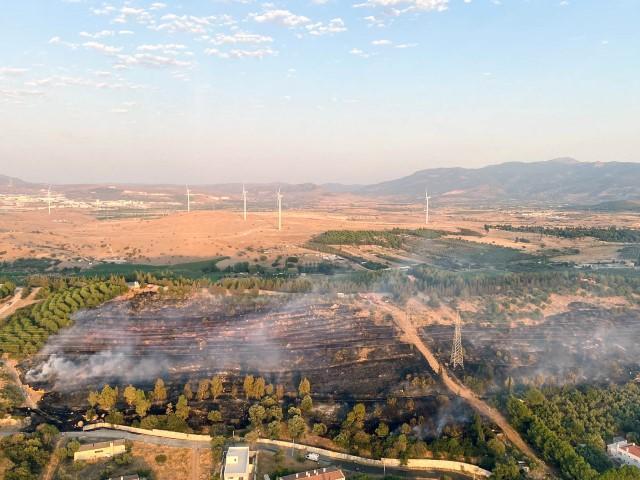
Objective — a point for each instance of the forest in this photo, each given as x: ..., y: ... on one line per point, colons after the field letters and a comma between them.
x: 610, y: 234
x: 570, y: 426
x: 29, y: 453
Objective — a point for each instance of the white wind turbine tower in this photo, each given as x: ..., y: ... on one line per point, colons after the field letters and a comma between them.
x: 279, y: 195
x: 426, y: 198
x: 49, y: 199
x: 244, y: 199
x: 188, y: 199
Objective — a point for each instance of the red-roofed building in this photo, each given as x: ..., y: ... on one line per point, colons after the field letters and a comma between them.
x: 328, y: 473
x: 626, y: 452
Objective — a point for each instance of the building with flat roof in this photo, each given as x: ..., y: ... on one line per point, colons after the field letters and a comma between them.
x: 237, y: 464
x: 94, y: 451
x: 328, y: 473
x: 135, y: 476
x: 628, y: 453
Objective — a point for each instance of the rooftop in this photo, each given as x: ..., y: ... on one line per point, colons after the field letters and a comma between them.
x: 98, y: 446
x: 632, y: 448
x: 329, y: 473
x: 237, y: 460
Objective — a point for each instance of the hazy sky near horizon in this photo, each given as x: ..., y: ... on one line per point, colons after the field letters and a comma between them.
x: 357, y: 91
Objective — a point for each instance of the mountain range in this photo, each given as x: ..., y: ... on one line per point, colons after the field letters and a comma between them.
x: 600, y: 185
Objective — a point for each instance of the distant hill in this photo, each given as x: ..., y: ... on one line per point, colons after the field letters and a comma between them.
x: 612, y: 186
x: 9, y: 182
x: 561, y: 180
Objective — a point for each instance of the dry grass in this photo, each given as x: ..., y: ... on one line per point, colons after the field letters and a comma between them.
x: 68, y: 234
x: 179, y: 462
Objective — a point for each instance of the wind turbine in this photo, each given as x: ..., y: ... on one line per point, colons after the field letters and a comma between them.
x: 279, y: 195
x: 426, y: 198
x: 244, y: 199
x: 188, y: 199
x: 49, y: 199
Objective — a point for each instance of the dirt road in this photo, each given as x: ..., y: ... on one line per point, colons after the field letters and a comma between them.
x: 410, y: 335
x: 16, y: 302
x: 53, y: 462
x: 195, y: 464
x: 31, y: 396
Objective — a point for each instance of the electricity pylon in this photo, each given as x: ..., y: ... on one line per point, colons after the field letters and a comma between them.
x: 457, y: 357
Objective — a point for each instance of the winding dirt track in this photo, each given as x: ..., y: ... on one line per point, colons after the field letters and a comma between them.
x: 53, y: 462
x: 16, y: 302
x: 410, y: 335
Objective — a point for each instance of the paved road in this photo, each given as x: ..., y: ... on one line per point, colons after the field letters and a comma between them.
x: 374, y: 470
x: 324, y: 461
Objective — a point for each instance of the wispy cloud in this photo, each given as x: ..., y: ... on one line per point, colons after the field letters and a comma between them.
x: 280, y: 17
x: 335, y: 25
x: 12, y: 71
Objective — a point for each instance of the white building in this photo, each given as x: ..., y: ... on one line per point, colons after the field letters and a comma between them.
x: 628, y: 453
x: 237, y: 464
x: 95, y: 451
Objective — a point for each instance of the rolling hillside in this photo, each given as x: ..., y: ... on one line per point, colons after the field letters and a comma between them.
x: 563, y: 181
x: 555, y: 181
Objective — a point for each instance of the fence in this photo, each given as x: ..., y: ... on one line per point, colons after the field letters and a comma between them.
x: 412, y: 463
x: 154, y: 433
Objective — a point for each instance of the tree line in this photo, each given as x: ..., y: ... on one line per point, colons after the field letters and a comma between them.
x: 28, y: 453
x: 571, y: 426
x: 27, y: 330
x: 7, y: 287
x: 610, y: 234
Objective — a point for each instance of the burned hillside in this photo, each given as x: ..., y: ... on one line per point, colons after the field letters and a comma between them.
x: 583, y: 345
x: 346, y: 350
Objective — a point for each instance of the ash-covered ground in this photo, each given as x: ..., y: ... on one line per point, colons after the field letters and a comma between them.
x: 281, y: 337
x: 586, y: 344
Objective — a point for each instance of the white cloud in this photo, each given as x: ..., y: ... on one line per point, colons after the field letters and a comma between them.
x: 139, y: 15
x: 401, y: 6
x: 125, y: 107
x: 359, y: 53
x: 100, y: 34
x: 12, y: 71
x: 240, y: 38
x: 59, y: 41
x: 193, y: 24
x: 102, y: 48
x: 381, y: 42
x: 151, y: 60
x: 335, y: 25
x: 373, y: 21
x: 239, y: 54
x: 161, y: 47
x: 157, y: 6
x: 20, y: 92
x: 69, y: 81
x: 406, y: 45
x: 281, y: 17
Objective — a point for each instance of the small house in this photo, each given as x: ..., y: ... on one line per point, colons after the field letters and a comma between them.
x: 94, y: 451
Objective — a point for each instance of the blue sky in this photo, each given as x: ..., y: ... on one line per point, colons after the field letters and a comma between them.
x: 356, y: 91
